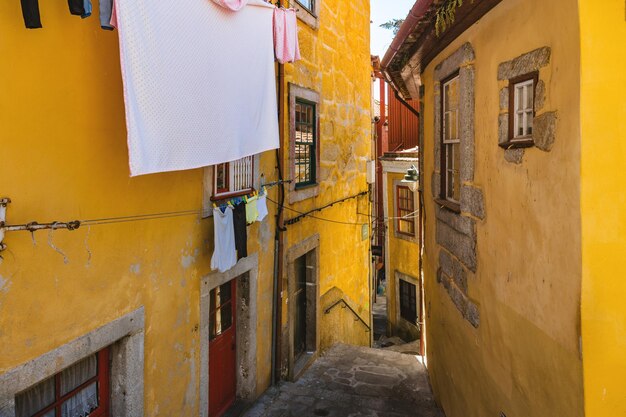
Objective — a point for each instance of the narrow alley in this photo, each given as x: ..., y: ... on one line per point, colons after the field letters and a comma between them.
x: 353, y: 381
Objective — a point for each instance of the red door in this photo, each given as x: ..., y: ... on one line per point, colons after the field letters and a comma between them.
x: 222, y: 349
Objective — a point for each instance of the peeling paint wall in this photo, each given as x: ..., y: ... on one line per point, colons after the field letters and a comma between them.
x: 64, y: 158
x: 523, y: 358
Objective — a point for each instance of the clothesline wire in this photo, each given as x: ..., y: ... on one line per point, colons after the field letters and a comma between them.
x: 317, y: 218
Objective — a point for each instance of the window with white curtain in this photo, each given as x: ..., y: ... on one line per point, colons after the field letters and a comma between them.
x: 80, y: 390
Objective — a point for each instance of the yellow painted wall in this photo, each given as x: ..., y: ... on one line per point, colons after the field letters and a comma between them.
x: 64, y: 157
x: 336, y: 64
x: 524, y: 358
x: 403, y: 257
x: 603, y: 108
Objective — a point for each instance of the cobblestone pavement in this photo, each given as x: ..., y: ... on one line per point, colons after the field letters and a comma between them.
x: 353, y: 381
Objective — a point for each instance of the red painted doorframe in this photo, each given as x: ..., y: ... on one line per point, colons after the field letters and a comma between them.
x: 222, y: 348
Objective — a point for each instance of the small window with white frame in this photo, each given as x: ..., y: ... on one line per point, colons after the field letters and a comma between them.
x: 522, y: 108
x: 450, y: 141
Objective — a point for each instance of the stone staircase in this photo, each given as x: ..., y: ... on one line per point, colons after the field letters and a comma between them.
x: 353, y: 381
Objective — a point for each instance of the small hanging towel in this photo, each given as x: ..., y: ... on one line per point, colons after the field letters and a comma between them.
x: 251, y: 210
x: 234, y: 5
x: 224, y: 254
x: 286, y: 46
x: 261, y: 206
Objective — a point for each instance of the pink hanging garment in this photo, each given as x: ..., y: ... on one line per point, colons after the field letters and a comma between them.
x: 286, y: 45
x: 113, y: 21
x: 234, y: 5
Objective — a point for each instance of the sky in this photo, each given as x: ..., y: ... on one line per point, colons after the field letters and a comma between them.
x: 381, y: 12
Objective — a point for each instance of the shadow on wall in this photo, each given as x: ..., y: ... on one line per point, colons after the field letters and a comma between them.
x: 340, y: 324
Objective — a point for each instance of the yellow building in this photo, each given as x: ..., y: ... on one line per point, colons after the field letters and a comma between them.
x: 402, y: 234
x: 524, y: 226
x: 129, y: 300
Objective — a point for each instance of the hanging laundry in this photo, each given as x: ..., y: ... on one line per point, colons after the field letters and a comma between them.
x: 88, y: 9
x: 30, y: 12
x: 113, y: 21
x: 77, y: 7
x: 194, y: 87
x: 224, y: 255
x: 241, y: 234
x: 286, y: 45
x: 251, y: 210
x: 106, y: 9
x: 262, y: 207
x: 234, y: 5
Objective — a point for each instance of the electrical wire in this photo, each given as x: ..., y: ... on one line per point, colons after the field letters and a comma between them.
x: 317, y: 218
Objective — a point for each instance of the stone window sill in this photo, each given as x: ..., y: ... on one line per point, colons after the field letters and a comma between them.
x: 449, y: 205
x: 516, y: 144
x: 306, y: 16
x: 303, y: 193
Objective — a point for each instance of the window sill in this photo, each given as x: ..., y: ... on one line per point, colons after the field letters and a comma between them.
x: 306, y: 16
x: 517, y: 143
x: 226, y: 196
x: 449, y: 205
x: 303, y: 192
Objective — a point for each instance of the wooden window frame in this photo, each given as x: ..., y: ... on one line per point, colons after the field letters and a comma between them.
x: 103, y: 380
x: 408, y: 313
x: 313, y: 156
x: 400, y: 212
x: 220, y: 194
x: 443, y: 199
x: 525, y: 141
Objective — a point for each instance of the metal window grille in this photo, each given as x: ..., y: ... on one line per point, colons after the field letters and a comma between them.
x: 408, y: 301
x: 305, y: 143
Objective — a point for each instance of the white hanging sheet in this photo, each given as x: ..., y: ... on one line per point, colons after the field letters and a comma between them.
x: 199, y: 82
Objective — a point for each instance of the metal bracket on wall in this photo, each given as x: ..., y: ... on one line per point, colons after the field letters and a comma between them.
x: 30, y: 227
x: 4, y: 202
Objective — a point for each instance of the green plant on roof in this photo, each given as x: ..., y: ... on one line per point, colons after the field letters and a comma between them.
x: 446, y: 14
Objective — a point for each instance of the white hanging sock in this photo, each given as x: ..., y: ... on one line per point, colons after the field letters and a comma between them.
x: 234, y: 5
x: 224, y: 253
x: 261, y: 206
x: 199, y: 82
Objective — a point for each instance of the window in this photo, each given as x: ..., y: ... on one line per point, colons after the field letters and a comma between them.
x: 522, y: 108
x: 450, y: 142
x: 305, y: 143
x: 221, y: 309
x: 405, y: 204
x: 408, y: 304
x: 233, y: 178
x: 80, y: 390
x: 307, y: 4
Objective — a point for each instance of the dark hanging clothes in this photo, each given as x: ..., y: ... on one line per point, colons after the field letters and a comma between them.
x: 30, y: 11
x: 77, y: 7
x: 241, y: 237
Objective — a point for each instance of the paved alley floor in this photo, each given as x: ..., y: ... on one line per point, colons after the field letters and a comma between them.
x: 379, y: 310
x: 353, y: 381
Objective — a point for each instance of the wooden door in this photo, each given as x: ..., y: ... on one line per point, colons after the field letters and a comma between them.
x: 301, y: 307
x: 222, y: 348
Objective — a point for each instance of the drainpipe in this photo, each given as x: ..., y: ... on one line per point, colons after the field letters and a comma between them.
x: 278, y: 243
